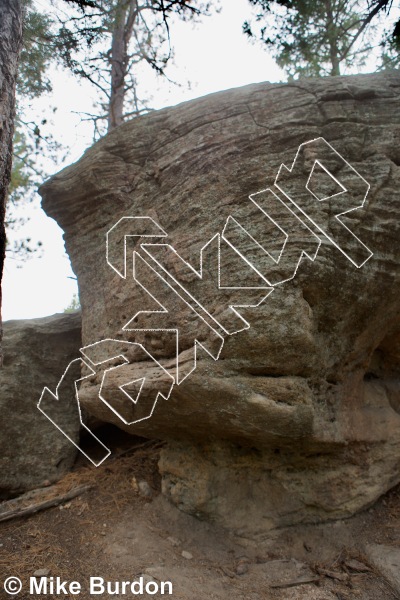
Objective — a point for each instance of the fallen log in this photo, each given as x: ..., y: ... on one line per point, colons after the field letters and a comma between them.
x: 34, y: 508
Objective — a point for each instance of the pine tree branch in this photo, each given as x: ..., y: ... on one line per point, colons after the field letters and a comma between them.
x: 380, y: 5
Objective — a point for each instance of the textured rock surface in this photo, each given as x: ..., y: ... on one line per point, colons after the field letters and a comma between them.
x: 32, y: 450
x: 298, y: 419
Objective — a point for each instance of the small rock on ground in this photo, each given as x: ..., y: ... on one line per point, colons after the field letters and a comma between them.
x: 41, y: 572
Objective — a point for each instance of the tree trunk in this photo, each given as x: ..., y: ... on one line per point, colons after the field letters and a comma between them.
x: 333, y: 41
x: 10, y: 47
x: 118, y: 69
x: 335, y: 70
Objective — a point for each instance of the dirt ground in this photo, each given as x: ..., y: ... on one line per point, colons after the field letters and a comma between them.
x: 116, y: 532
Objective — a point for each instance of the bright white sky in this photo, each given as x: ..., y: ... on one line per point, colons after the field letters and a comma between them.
x: 215, y: 55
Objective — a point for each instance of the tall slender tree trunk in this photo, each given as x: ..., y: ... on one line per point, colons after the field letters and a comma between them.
x: 118, y: 69
x: 10, y: 47
x: 335, y: 70
x: 332, y: 37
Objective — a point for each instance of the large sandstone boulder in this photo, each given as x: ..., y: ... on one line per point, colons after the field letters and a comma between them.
x: 32, y: 450
x: 298, y: 420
